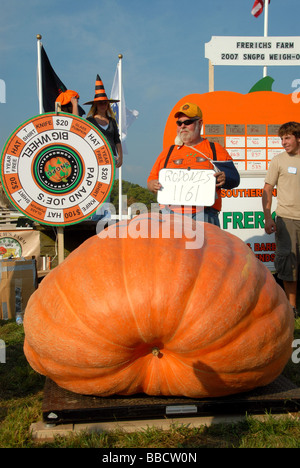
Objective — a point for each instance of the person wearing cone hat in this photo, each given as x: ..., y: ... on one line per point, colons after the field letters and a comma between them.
x: 102, y: 116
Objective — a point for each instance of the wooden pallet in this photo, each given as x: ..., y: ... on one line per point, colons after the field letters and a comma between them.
x: 61, y: 406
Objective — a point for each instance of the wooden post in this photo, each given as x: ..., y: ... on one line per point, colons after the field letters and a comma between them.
x: 60, y: 244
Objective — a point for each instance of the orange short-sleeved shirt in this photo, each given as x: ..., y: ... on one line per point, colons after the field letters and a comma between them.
x: 183, y: 157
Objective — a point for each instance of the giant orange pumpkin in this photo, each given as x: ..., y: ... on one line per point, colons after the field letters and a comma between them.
x: 126, y: 313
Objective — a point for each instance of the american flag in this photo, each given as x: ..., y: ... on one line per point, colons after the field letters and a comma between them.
x: 258, y: 7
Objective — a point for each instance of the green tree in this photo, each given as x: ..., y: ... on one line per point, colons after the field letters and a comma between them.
x: 134, y: 192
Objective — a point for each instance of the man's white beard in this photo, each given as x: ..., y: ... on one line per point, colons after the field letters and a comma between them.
x: 189, y: 138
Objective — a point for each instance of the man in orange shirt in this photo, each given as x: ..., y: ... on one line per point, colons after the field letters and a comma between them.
x: 194, y: 152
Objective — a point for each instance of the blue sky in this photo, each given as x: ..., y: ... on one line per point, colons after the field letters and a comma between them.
x: 162, y: 43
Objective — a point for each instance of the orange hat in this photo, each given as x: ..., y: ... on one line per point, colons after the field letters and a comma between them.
x: 100, y: 94
x: 190, y: 110
x: 65, y: 97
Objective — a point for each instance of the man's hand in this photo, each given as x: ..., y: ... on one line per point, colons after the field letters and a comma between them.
x: 119, y: 161
x: 221, y: 178
x: 154, y: 186
x: 270, y: 225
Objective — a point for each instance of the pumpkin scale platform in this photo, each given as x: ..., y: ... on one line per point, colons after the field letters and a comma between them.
x: 125, y: 314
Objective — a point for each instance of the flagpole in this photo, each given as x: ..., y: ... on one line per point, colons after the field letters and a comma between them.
x: 266, y: 13
x: 40, y: 88
x: 120, y: 131
x: 60, y: 229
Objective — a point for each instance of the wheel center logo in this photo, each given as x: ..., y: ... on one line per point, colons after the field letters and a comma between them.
x: 58, y: 169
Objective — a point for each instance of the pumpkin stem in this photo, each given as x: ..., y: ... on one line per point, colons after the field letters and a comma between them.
x: 155, y: 351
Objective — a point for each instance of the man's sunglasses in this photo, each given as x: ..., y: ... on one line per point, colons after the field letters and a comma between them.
x: 185, y: 122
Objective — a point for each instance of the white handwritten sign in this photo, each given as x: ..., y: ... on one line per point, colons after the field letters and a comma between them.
x: 190, y: 187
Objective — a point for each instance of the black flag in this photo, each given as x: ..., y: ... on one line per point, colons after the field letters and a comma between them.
x: 52, y: 85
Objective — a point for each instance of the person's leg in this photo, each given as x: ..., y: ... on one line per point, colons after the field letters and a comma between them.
x: 290, y: 288
x: 211, y: 216
x: 286, y: 258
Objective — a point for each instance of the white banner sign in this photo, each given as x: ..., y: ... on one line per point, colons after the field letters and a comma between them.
x: 262, y: 51
x: 242, y: 215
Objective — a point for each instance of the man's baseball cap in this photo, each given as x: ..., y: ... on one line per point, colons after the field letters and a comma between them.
x: 190, y: 110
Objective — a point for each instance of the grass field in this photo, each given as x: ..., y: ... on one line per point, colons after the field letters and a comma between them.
x: 21, y: 393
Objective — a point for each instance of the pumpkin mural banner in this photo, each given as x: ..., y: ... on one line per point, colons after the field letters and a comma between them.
x: 245, y: 124
x: 125, y: 316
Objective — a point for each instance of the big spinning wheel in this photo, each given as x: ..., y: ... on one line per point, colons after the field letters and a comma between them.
x: 57, y: 169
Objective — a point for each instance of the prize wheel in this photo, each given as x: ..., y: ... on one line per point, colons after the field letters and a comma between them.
x: 57, y: 169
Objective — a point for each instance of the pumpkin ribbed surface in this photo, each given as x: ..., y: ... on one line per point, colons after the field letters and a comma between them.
x: 124, y: 315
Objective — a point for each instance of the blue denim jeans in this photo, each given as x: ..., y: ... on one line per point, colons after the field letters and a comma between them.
x: 210, y: 215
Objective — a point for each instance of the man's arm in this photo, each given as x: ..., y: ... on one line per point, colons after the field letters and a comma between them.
x: 228, y: 177
x: 270, y: 225
x: 152, y: 182
x: 74, y: 102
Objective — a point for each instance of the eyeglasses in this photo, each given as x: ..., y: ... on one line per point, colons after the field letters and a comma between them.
x: 185, y: 122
